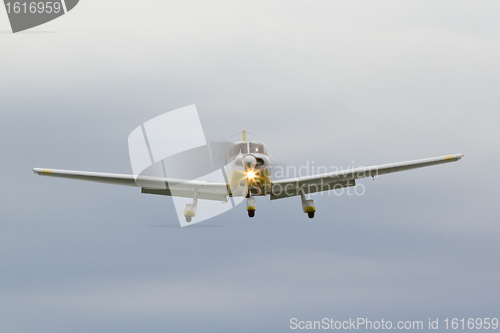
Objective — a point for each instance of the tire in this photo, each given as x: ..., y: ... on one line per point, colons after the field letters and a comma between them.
x: 251, y: 213
x: 310, y: 214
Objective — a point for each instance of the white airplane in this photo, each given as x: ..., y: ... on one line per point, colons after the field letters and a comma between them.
x: 248, y: 174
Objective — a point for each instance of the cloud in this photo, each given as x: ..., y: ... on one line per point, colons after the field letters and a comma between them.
x: 358, y: 83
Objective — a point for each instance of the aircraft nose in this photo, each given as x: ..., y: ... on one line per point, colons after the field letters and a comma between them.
x: 250, y: 162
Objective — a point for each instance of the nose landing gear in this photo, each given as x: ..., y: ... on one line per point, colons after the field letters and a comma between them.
x: 251, y: 206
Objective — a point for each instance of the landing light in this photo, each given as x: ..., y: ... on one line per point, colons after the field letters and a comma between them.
x: 250, y: 174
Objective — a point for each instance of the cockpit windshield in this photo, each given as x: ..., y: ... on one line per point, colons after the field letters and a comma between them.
x: 252, y: 147
x: 256, y: 147
x: 236, y: 149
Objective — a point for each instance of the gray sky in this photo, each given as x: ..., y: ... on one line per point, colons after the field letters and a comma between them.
x: 340, y: 83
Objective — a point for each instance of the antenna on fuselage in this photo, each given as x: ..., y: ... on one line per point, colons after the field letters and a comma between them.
x: 245, y: 132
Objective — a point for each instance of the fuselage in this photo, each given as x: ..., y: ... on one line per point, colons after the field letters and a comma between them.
x: 248, y: 169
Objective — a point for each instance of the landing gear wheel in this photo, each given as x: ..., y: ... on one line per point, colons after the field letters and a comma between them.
x: 251, y: 213
x: 310, y: 214
x: 188, y: 219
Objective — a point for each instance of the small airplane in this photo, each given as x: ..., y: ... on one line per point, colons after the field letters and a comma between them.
x: 248, y: 174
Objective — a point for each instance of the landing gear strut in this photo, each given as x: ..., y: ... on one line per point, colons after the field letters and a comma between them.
x: 308, y: 206
x: 251, y: 206
x: 190, y: 209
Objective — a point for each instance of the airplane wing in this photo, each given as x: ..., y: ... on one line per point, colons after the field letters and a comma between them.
x: 345, y: 178
x: 152, y: 185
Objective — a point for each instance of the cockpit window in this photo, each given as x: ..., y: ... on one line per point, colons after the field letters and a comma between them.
x: 255, y: 148
x: 236, y: 149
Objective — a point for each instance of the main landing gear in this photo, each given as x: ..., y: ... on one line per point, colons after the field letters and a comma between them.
x: 308, y: 206
x: 190, y: 210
